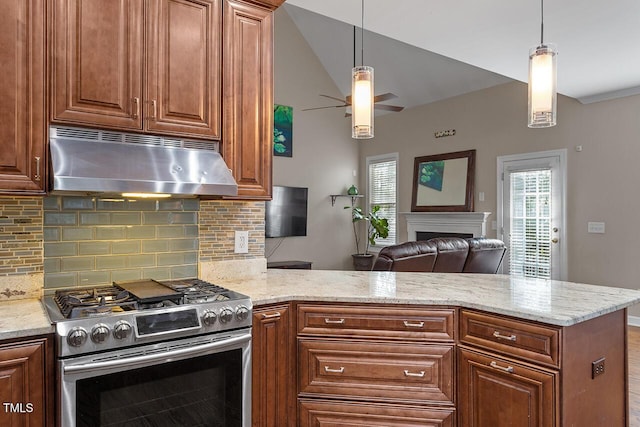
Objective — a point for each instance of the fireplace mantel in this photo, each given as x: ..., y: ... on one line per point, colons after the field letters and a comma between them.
x: 474, y: 223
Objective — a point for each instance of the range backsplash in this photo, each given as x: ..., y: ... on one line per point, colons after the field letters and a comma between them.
x: 80, y: 241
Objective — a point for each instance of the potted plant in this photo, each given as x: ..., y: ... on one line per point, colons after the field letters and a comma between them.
x: 375, y: 226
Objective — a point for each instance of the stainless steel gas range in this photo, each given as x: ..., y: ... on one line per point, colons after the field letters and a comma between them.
x: 153, y: 353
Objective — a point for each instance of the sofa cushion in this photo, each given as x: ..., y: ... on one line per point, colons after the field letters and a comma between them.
x: 452, y: 254
x: 485, y: 255
x: 409, y: 256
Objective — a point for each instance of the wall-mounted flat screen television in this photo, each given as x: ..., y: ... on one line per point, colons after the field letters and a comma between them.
x: 286, y: 212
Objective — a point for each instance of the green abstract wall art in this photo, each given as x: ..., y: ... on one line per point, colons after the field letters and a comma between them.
x: 282, y: 131
x: 431, y: 174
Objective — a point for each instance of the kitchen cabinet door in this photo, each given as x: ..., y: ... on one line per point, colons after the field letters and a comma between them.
x: 273, y: 387
x: 24, y: 388
x: 97, y: 63
x: 22, y: 90
x: 183, y: 70
x: 248, y: 97
x: 501, y: 393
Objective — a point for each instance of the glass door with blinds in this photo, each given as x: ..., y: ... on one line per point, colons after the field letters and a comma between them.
x: 382, y: 191
x: 532, y: 220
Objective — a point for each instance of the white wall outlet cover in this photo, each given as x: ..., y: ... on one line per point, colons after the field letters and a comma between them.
x: 595, y: 227
x: 241, y: 242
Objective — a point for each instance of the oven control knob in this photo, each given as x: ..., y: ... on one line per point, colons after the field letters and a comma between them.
x: 99, y: 333
x: 209, y: 317
x: 226, y: 315
x: 121, y: 330
x: 242, y: 313
x: 76, y: 337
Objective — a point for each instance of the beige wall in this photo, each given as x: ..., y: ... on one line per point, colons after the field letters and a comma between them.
x: 601, y: 180
x: 324, y: 155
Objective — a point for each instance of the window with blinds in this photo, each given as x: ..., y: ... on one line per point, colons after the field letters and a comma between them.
x: 530, y: 238
x: 382, y: 172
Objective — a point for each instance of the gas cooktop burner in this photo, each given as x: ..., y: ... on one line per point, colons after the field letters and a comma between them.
x: 93, y: 302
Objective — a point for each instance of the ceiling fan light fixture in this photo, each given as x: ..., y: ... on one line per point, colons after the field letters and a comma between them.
x: 542, y: 82
x: 362, y: 102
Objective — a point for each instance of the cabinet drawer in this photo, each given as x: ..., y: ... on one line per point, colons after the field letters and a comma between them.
x: 374, y: 371
x: 314, y: 413
x: 525, y: 340
x: 406, y: 323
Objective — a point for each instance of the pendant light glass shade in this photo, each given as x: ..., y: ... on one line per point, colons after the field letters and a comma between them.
x: 542, y: 86
x: 362, y: 102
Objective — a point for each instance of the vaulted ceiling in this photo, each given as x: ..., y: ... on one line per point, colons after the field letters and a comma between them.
x: 424, y: 51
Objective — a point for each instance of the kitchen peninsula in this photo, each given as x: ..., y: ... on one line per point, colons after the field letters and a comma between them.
x: 437, y: 349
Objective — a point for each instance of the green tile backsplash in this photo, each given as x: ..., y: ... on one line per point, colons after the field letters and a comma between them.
x: 90, y: 241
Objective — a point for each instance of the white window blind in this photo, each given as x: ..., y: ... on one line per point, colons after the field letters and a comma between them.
x: 382, y: 172
x: 530, y: 238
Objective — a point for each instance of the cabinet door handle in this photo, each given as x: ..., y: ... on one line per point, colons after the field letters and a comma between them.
x: 153, y: 110
x: 271, y: 316
x: 413, y: 374
x: 413, y: 325
x: 335, y: 322
x: 136, y: 107
x: 334, y: 371
x: 508, y: 369
x: 36, y: 177
x: 504, y: 337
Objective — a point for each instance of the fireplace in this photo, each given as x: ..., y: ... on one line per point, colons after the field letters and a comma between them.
x: 426, y: 225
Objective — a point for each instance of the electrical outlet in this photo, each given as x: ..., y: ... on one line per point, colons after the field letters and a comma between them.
x: 597, y: 367
x: 241, y: 242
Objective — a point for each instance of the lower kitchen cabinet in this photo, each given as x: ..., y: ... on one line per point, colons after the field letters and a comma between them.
x: 26, y: 383
x: 500, y: 392
x: 319, y: 413
x: 273, y: 365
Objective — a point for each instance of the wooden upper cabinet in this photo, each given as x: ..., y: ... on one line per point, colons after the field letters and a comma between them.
x: 108, y: 74
x: 248, y: 97
x: 183, y: 68
x: 22, y: 90
x: 97, y: 63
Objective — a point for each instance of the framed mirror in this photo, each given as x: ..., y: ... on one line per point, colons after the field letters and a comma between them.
x: 444, y: 182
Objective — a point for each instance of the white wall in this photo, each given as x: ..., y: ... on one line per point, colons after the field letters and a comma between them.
x: 324, y: 155
x: 602, y: 179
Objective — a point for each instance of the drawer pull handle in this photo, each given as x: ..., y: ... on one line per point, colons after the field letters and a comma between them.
x: 508, y: 369
x: 271, y: 316
x: 335, y: 322
x: 504, y: 337
x: 413, y: 325
x: 413, y: 374
x: 334, y: 371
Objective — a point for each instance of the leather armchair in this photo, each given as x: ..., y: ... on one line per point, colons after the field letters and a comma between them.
x: 444, y: 255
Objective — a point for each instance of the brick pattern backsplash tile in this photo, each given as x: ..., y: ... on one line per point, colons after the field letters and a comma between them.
x: 92, y: 241
x: 21, y: 235
x: 218, y: 222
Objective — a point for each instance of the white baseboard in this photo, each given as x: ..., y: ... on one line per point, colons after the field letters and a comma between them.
x: 633, y: 320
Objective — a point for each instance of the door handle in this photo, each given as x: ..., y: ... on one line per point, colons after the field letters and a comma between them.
x: 554, y: 240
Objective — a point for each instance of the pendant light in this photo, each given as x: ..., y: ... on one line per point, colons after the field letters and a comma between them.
x: 362, y: 95
x: 542, y: 81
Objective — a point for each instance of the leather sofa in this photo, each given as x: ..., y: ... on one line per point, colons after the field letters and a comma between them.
x: 443, y: 255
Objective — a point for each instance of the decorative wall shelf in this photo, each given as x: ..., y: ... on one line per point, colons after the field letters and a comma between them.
x: 353, y: 198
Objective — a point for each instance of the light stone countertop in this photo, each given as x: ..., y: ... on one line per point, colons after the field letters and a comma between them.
x: 23, y: 318
x: 552, y: 302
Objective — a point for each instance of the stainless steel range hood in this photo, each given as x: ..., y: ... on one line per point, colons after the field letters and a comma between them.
x: 95, y: 161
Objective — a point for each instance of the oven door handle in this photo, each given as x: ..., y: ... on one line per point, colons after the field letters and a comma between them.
x: 135, y: 361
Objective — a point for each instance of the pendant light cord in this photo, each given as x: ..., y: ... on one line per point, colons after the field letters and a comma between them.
x: 541, y: 22
x: 362, y: 36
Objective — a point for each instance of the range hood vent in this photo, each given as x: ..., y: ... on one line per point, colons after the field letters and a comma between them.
x: 96, y: 161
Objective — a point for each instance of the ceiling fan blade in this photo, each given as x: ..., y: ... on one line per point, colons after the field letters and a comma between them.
x: 322, y: 108
x: 388, y: 107
x: 378, y: 98
x: 384, y: 97
x: 334, y: 98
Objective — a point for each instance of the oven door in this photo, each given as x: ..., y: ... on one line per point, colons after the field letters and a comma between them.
x: 199, y: 381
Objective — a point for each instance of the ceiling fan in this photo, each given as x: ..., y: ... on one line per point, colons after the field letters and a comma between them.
x: 346, y: 102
